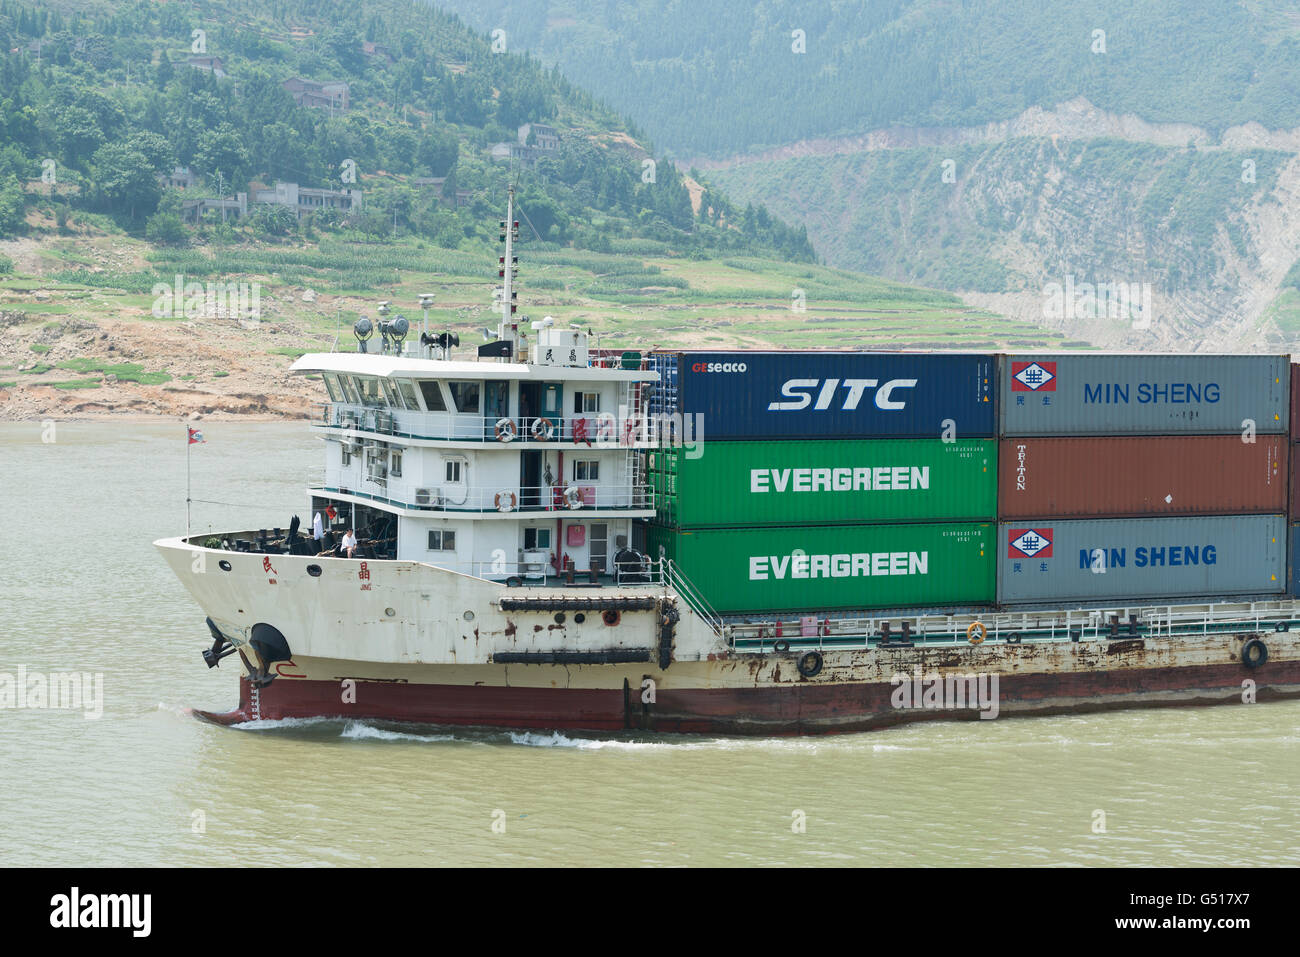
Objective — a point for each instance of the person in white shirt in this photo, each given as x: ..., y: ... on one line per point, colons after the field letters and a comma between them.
x: 349, y: 544
x: 317, y: 528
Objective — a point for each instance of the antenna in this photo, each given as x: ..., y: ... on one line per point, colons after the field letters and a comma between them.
x: 426, y: 300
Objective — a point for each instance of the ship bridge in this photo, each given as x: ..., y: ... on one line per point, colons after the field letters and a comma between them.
x: 518, y: 463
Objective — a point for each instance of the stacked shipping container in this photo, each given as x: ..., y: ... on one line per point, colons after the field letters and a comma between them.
x: 1293, y: 510
x: 829, y: 481
x: 838, y: 481
x: 1111, y: 466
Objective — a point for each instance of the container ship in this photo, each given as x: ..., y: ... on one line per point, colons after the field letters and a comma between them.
x: 535, y: 533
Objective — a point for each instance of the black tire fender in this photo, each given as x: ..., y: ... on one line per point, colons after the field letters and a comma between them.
x: 810, y: 664
x: 1254, y: 653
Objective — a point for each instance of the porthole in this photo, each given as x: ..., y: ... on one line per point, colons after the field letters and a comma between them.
x: 579, y: 618
x: 224, y: 565
x: 389, y: 612
x: 559, y: 617
x: 313, y: 571
x: 469, y: 616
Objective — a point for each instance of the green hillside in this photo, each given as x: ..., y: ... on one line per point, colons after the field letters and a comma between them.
x: 720, y: 76
x: 980, y: 231
x: 97, y: 99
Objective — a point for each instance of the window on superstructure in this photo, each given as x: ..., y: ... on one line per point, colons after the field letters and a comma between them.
x: 453, y: 471
x: 586, y: 471
x: 442, y: 540
x: 369, y: 390
x: 406, y: 388
x: 537, y: 538
x: 349, y: 390
x: 395, y: 469
x: 391, y: 395
x: 332, y: 387
x: 586, y: 402
x: 347, y: 453
x: 432, y: 392
x: 465, y: 396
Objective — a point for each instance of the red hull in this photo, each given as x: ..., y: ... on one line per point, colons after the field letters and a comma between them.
x: 808, y: 707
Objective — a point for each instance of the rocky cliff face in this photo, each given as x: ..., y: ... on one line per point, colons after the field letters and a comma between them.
x: 1044, y: 216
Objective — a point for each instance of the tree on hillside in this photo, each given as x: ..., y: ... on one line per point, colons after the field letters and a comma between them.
x: 125, y: 179
x: 222, y: 151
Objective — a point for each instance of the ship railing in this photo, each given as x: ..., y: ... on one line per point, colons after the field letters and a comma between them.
x: 811, y: 631
x: 596, y: 358
x: 674, y: 578
x: 595, y: 429
x: 543, y: 574
x: 576, y: 497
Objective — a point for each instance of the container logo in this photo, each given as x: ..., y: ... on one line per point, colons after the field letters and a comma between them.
x: 1033, y: 377
x: 799, y: 394
x: 1029, y: 543
x: 719, y: 367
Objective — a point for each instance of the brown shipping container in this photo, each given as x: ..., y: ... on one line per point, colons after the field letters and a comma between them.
x: 1138, y: 476
x: 1295, y: 486
x: 1295, y: 401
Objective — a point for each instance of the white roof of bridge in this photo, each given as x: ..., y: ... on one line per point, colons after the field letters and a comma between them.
x: 401, y: 367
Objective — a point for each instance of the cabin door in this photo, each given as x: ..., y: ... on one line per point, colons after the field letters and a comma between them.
x: 496, y: 405
x: 553, y: 406
x: 530, y: 478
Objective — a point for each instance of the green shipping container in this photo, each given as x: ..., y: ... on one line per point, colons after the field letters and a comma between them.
x: 821, y: 482
x: 830, y: 568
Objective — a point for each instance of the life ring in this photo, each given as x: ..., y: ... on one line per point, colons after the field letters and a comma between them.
x: 573, y: 497
x: 506, y: 501
x: 781, y: 646
x: 976, y: 627
x: 542, y: 430
x: 610, y: 616
x: 1254, y: 653
x: 506, y: 430
x: 810, y: 664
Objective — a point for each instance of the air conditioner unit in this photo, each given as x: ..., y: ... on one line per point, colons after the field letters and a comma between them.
x: 535, y: 562
x: 428, y: 496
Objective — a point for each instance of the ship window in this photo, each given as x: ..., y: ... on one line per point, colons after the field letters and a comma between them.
x: 465, y: 396
x: 391, y: 394
x: 349, y: 390
x: 332, y: 387
x: 432, y: 391
x: 442, y: 540
x: 453, y: 471
x: 406, y: 388
x: 586, y: 402
x: 347, y: 453
x: 396, y: 468
x: 368, y: 389
x: 537, y: 538
x: 586, y: 471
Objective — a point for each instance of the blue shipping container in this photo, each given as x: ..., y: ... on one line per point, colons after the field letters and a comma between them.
x: 786, y: 395
x: 1295, y: 561
x: 1157, y: 559
x: 1105, y: 394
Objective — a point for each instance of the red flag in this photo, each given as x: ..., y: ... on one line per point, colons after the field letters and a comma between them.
x: 329, y: 510
x: 195, y: 435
